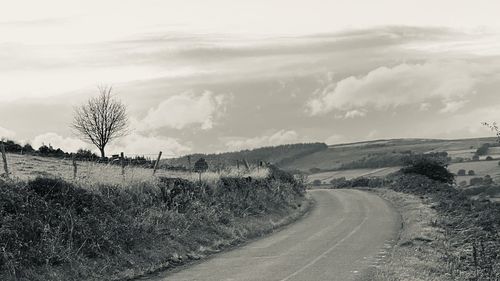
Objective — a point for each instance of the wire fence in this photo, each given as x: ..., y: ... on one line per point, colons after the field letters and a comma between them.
x: 117, y: 169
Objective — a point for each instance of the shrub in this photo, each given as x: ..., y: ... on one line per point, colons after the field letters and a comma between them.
x: 487, y: 180
x: 463, y: 184
x: 314, y: 170
x: 471, y: 173
x: 461, y: 172
x: 317, y: 182
x: 431, y: 167
x: 483, y: 149
x: 476, y: 181
x: 489, y: 158
x: 475, y: 158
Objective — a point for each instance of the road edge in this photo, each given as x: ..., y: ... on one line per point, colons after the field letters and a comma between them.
x: 168, y: 268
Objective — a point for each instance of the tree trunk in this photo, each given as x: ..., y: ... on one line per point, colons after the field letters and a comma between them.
x: 102, y: 152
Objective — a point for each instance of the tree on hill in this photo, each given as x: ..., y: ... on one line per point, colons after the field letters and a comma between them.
x: 101, y: 120
x: 200, y: 167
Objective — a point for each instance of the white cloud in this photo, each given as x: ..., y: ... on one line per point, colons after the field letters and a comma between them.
x: 279, y: 137
x: 67, y: 144
x: 6, y: 133
x: 136, y: 144
x: 424, y: 106
x: 453, y: 106
x: 403, y: 84
x: 354, y: 113
x: 186, y: 109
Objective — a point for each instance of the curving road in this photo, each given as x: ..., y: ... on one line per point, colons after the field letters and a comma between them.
x: 345, y: 235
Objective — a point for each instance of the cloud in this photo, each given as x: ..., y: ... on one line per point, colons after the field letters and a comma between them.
x: 136, y: 144
x: 403, y: 84
x: 354, y: 113
x: 453, y: 106
x: 279, y: 137
x: 6, y: 133
x: 67, y: 144
x: 186, y: 109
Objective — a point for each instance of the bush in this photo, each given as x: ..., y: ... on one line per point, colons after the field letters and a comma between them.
x: 463, y: 184
x: 483, y: 149
x: 317, y: 182
x: 476, y: 181
x: 487, y: 180
x: 475, y: 158
x: 489, y: 158
x: 461, y: 172
x: 314, y: 170
x: 431, y: 167
x: 471, y: 173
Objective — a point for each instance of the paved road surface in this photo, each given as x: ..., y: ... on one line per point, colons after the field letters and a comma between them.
x: 345, y: 235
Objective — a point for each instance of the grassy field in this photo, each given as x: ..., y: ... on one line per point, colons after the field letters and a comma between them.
x: 27, y: 167
x: 480, y: 168
x: 336, y: 155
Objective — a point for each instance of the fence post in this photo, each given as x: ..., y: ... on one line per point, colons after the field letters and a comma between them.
x: 122, y: 163
x: 75, y: 168
x: 156, y: 163
x: 4, y: 157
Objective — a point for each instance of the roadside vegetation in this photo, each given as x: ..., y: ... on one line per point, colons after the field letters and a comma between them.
x: 447, y: 234
x: 55, y: 229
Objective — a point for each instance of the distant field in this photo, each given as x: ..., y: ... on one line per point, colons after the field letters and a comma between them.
x: 326, y: 177
x: 481, y: 169
x: 26, y: 167
x: 336, y: 155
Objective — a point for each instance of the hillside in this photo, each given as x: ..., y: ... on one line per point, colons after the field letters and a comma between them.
x: 280, y: 155
x: 337, y: 156
x: 321, y: 157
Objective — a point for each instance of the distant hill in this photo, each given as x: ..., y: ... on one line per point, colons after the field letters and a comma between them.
x: 321, y: 157
x: 345, y: 155
x: 280, y: 155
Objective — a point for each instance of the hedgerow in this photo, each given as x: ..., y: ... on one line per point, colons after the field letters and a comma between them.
x: 51, y: 229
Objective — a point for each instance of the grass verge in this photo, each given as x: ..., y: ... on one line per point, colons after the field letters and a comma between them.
x: 51, y: 229
x: 418, y: 253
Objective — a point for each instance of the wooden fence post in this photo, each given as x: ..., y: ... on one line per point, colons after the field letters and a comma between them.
x: 75, y: 168
x: 156, y: 163
x: 4, y: 157
x: 122, y: 163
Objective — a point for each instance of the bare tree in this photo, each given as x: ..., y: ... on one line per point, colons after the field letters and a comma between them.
x: 493, y: 127
x: 101, y: 119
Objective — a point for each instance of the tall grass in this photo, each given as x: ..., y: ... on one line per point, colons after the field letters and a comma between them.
x: 103, y: 226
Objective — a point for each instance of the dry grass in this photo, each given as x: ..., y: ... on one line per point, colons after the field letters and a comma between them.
x: 418, y: 254
x: 25, y: 167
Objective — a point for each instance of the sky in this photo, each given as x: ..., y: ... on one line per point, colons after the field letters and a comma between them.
x: 221, y: 75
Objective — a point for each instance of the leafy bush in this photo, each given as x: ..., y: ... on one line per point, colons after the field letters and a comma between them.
x: 461, y: 172
x: 317, y: 182
x: 471, y: 173
x: 359, y: 182
x: 483, y: 149
x: 434, y: 168
x: 489, y: 158
x: 476, y: 181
